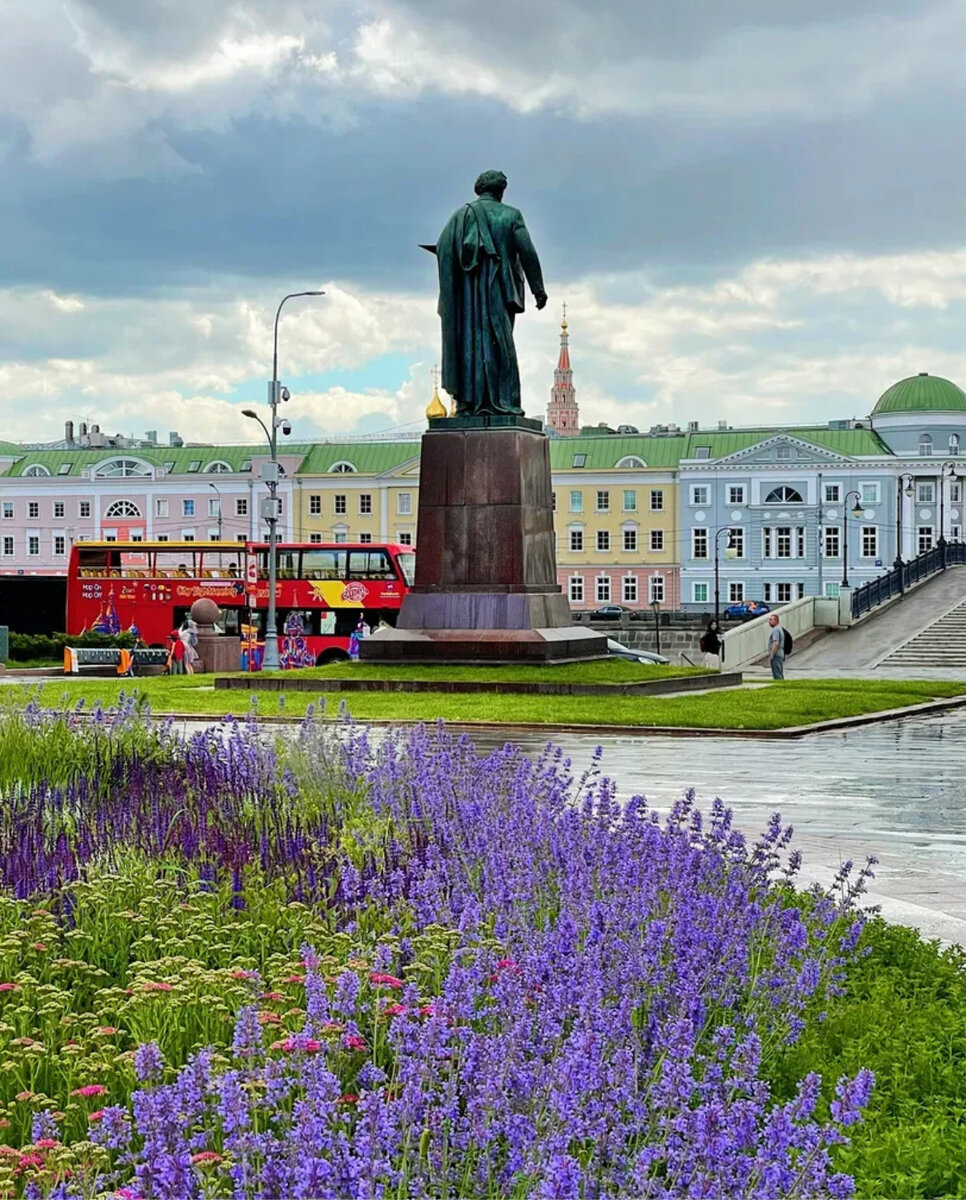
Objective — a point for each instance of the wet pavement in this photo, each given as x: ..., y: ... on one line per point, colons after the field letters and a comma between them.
x: 895, y: 790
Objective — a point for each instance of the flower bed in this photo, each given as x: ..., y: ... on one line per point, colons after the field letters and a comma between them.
x: 333, y: 967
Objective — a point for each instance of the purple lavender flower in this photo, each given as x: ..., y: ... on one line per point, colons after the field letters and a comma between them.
x: 148, y: 1062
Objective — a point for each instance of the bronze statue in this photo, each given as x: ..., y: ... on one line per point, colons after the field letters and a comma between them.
x: 484, y: 253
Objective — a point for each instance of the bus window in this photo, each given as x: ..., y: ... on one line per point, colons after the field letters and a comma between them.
x: 324, y: 564
x: 370, y: 564
x: 406, y: 561
x: 288, y: 564
x: 92, y: 563
x: 304, y: 620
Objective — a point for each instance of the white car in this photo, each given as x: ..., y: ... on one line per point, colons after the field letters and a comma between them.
x: 641, y: 656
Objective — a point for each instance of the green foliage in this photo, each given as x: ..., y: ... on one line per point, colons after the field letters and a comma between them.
x: 904, y: 1017
x: 28, y: 647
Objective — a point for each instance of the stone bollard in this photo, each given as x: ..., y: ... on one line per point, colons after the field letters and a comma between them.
x: 216, y: 651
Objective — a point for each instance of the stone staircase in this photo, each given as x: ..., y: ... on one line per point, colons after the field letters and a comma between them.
x: 942, y: 644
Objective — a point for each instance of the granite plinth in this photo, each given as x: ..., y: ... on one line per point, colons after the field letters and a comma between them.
x: 508, y: 421
x: 484, y: 646
x: 218, y: 652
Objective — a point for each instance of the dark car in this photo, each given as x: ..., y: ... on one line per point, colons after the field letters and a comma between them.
x: 610, y: 612
x: 747, y: 610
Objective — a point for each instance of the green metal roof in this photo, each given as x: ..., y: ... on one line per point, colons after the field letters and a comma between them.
x: 180, y: 456
x: 604, y: 451
x: 851, y: 442
x: 921, y: 393
x: 234, y: 456
x: 368, y: 458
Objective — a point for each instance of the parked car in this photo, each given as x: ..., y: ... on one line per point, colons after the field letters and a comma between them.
x: 641, y: 656
x: 747, y: 610
x: 614, y: 612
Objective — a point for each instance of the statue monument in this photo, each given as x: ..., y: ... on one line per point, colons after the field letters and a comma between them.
x: 484, y: 255
x: 486, y: 573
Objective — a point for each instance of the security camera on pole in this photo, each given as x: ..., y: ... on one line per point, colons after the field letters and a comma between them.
x: 270, y: 474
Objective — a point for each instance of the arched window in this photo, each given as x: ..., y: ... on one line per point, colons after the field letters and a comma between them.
x: 925, y: 443
x: 341, y: 468
x: 630, y: 461
x: 784, y: 495
x: 122, y: 508
x: 218, y: 468
x: 35, y: 470
x: 121, y: 468
x: 954, y: 443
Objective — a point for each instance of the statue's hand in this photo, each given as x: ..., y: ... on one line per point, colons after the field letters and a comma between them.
x: 541, y: 300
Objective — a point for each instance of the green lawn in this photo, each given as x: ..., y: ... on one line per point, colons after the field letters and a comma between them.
x: 772, y: 706
x: 607, y: 670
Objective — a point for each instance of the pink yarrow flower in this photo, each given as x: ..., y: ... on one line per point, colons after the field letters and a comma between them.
x: 9, y: 987
x: 354, y: 1042
x: 90, y: 1089
x: 381, y: 980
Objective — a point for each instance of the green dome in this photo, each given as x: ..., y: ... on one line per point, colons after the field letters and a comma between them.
x: 921, y: 393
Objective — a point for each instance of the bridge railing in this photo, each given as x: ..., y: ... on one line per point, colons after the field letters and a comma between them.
x: 900, y: 577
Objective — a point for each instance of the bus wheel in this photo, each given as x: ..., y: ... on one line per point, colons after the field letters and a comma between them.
x: 331, y: 656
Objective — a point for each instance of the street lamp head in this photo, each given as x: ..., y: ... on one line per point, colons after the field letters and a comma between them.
x: 249, y: 412
x: 858, y: 512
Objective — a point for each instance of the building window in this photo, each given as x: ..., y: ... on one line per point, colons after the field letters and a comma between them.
x: 783, y: 453
x: 315, y: 537
x: 340, y: 534
x: 8, y: 546
x: 163, y: 537
x: 160, y: 508
x: 315, y: 505
x: 122, y: 509
x: 657, y: 541
x: 214, y: 506
x: 553, y: 501
x: 405, y: 539
x: 212, y: 535
x: 699, y: 543
x: 833, y: 493
x: 925, y: 444
x: 603, y: 540
x: 955, y: 533
x: 241, y: 506
x: 736, y: 542
x: 869, y: 493
x: 766, y: 592
x: 925, y: 493
x: 699, y: 593
x: 630, y: 461
x: 580, y: 460
x: 954, y: 444
x: 783, y: 593
x: 340, y: 504
x: 924, y: 538
x: 799, y: 541
x: 84, y: 508
x: 784, y: 495
x: 629, y: 589
x: 699, y: 493
x: 870, y: 541
x: 656, y: 588
x: 576, y: 501
x: 187, y: 508
x: 630, y: 500
x: 8, y: 510
x: 187, y: 535
x: 955, y: 492
x: 603, y: 502
x: 404, y: 503
x: 603, y: 589
x: 831, y: 536
x: 58, y: 508
x: 657, y: 500
x: 576, y: 589
x: 60, y: 545
x: 832, y: 591
x: 365, y: 538
x: 35, y: 471
x: 736, y: 593
x: 33, y: 545
x: 33, y: 508
x: 736, y: 494
x: 218, y: 467
x: 121, y: 468
x: 576, y: 541
x: 630, y: 541
x: 783, y: 541
x: 365, y: 504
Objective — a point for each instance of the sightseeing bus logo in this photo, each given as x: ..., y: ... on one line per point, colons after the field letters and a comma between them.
x: 354, y: 593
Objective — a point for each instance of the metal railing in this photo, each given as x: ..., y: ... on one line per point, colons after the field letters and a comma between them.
x: 895, y: 582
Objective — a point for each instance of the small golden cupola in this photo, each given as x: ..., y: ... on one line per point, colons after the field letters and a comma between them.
x: 435, y: 408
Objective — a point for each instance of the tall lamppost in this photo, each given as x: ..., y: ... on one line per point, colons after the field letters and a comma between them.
x: 217, y: 491
x: 730, y: 552
x: 656, y: 608
x: 947, y: 470
x: 857, y: 512
x: 901, y: 491
x: 276, y: 393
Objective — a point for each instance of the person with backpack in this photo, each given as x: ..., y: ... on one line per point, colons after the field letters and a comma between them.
x: 710, y: 645
x: 779, y: 645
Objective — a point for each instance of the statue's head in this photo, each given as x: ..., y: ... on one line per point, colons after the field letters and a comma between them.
x: 490, y: 183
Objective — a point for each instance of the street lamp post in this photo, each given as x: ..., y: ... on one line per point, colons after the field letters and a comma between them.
x: 856, y: 513
x: 656, y: 607
x: 276, y: 393
x: 214, y: 487
x: 945, y: 471
x: 730, y: 552
x: 902, y: 489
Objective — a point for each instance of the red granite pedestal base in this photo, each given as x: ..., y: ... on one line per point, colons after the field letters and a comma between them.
x: 486, y: 588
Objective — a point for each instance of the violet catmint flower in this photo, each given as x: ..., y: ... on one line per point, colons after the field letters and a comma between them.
x: 148, y: 1062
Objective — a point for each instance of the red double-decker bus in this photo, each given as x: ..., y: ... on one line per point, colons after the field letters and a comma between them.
x: 322, y: 590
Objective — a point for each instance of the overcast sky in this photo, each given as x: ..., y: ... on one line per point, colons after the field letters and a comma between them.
x: 753, y: 209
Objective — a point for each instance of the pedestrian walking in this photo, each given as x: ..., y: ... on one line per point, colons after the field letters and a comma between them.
x: 711, y: 645
x: 776, y: 647
x: 189, y: 639
x: 175, y: 663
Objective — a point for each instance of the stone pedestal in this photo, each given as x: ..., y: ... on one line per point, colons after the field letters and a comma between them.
x: 216, y: 651
x: 486, y: 587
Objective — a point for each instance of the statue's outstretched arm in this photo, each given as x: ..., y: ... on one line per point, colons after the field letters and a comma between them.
x: 530, y: 262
